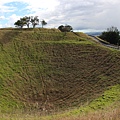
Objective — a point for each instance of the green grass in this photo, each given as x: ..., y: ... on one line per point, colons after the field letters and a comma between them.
x: 50, y: 71
x: 108, y: 98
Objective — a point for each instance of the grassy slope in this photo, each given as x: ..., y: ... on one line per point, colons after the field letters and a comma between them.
x: 52, y: 71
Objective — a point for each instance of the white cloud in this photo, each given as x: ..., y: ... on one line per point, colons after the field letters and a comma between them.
x: 4, y: 9
x: 2, y: 17
x: 43, y: 4
x: 35, y: 4
x: 81, y: 14
x: 92, y: 14
x: 11, y: 20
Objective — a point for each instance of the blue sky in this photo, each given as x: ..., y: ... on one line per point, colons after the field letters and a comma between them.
x: 82, y: 15
x: 16, y: 8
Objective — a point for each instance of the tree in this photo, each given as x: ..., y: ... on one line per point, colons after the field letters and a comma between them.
x: 34, y: 21
x: 20, y: 23
x: 27, y: 20
x: 111, y: 35
x: 43, y: 23
x: 66, y: 28
x: 61, y: 28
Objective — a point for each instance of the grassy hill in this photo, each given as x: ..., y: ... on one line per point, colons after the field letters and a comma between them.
x: 44, y: 70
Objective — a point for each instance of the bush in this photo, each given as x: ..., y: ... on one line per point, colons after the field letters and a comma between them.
x: 111, y: 35
x: 66, y: 28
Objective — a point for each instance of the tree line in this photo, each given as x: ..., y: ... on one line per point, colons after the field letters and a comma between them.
x: 112, y: 35
x: 26, y: 21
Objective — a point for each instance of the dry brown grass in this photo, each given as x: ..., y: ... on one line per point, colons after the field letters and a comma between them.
x: 107, y: 114
x: 113, y: 114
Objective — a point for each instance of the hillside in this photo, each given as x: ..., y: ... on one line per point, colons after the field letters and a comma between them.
x: 47, y: 70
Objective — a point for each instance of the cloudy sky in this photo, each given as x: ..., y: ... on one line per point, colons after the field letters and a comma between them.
x: 84, y: 15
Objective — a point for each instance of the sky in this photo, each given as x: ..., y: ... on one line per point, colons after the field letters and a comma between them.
x: 82, y: 15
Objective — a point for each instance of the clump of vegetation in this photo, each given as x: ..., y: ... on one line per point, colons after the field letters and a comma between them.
x: 66, y: 28
x: 25, y: 21
x: 111, y: 35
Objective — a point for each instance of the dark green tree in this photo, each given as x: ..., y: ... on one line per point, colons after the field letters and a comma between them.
x: 27, y: 20
x: 20, y: 23
x: 66, y: 28
x: 43, y: 23
x: 61, y: 28
x: 111, y: 35
x: 34, y: 21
